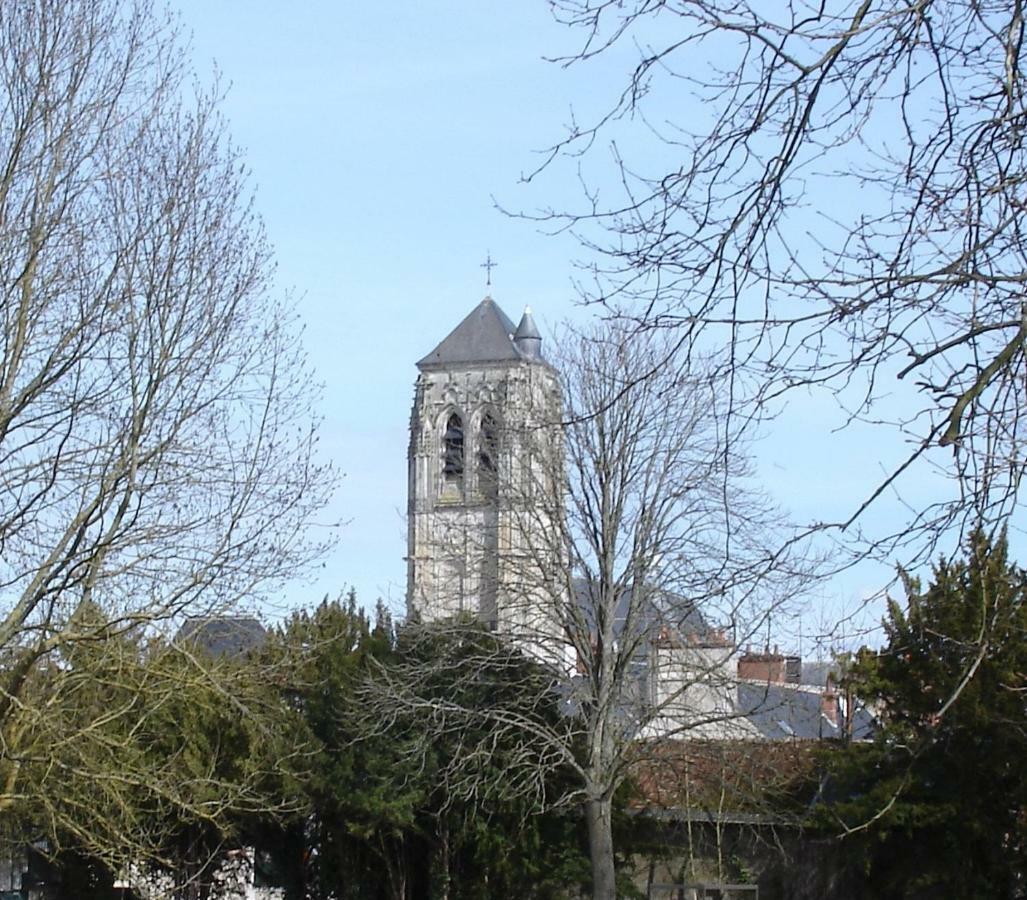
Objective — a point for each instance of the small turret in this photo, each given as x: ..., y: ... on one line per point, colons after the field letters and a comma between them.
x: 526, y: 339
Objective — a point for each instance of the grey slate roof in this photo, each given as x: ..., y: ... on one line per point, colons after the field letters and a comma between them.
x: 223, y: 635
x: 527, y: 327
x: 782, y: 711
x: 485, y: 335
x: 526, y: 339
x: 661, y: 609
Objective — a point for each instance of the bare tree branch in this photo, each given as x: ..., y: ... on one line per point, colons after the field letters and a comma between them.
x: 156, y: 429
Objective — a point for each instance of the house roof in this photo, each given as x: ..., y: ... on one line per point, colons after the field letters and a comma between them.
x: 783, y: 711
x: 223, y: 635
x: 658, y: 612
x: 485, y: 335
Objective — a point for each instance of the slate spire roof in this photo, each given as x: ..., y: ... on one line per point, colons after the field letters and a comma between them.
x: 486, y: 335
x: 526, y: 339
x: 527, y: 328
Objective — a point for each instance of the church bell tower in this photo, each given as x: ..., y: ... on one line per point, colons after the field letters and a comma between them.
x: 485, y: 477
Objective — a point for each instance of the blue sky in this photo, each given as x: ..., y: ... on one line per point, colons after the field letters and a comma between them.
x: 380, y: 137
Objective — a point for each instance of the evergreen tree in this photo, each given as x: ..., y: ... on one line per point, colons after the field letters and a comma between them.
x: 936, y: 803
x: 197, y: 750
x: 395, y: 810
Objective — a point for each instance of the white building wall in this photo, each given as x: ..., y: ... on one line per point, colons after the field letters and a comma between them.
x: 693, y: 687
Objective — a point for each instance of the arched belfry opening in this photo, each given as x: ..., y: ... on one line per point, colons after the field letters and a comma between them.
x: 481, y: 395
x: 488, y: 457
x: 453, y: 453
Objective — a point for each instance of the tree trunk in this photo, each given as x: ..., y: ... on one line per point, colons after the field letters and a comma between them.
x: 394, y: 855
x: 600, y: 848
x: 442, y: 876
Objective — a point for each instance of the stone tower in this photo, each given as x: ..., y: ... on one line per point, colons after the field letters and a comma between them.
x: 485, y: 478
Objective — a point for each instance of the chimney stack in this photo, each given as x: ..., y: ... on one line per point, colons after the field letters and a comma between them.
x: 829, y: 705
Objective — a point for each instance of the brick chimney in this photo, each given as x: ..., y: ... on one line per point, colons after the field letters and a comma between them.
x: 767, y: 666
x: 829, y: 704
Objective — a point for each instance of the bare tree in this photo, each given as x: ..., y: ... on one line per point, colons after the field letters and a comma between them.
x: 829, y: 196
x: 640, y: 555
x: 156, y: 432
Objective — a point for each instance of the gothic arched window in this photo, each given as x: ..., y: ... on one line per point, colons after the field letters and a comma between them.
x: 453, y: 450
x: 488, y: 454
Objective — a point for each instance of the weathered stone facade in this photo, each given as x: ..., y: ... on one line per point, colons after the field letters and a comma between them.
x: 485, y: 479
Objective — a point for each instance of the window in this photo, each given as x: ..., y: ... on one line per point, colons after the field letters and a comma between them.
x: 453, y: 450
x: 488, y: 455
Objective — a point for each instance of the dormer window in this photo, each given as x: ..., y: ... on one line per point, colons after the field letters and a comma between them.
x: 453, y: 450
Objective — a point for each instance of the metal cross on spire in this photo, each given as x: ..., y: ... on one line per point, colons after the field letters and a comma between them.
x: 488, y: 266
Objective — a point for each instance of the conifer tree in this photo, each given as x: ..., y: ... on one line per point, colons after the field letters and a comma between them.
x: 937, y: 803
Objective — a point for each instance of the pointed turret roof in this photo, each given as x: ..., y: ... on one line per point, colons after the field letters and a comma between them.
x: 527, y: 328
x: 485, y: 335
x: 526, y: 339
